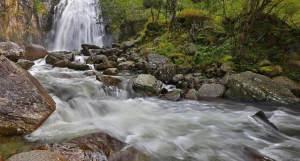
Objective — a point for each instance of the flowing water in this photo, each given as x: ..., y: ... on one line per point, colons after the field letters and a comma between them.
x: 75, y: 24
x: 220, y: 130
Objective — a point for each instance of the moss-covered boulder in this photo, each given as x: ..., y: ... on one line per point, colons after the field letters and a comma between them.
x: 147, y: 84
x: 270, y: 71
x: 252, y: 86
x: 288, y: 83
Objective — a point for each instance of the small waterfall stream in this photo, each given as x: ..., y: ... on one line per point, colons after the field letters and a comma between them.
x: 75, y: 24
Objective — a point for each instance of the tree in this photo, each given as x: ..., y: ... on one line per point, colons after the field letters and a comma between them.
x: 173, y: 10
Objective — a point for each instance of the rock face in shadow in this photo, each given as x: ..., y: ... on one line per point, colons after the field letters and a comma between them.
x: 24, y: 103
x: 97, y: 146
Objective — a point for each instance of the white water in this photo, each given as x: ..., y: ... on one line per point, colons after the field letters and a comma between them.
x: 75, y: 24
x: 186, y: 130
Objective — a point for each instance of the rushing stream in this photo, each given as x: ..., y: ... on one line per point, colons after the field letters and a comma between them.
x: 222, y: 130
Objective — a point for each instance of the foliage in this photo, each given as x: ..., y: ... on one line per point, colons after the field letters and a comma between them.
x: 39, y: 7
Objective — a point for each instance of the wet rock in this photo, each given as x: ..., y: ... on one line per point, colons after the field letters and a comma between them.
x: 37, y: 155
x: 11, y: 51
x: 97, y: 146
x: 79, y: 66
x: 34, y: 52
x: 51, y: 59
x: 128, y: 44
x: 87, y: 47
x: 164, y: 90
x: 289, y: 84
x: 177, y: 78
x: 144, y: 66
x: 165, y: 73
x: 24, y: 103
x: 62, y: 63
x: 25, y: 64
x: 54, y: 57
x: 89, y: 73
x: 252, y: 86
x: 97, y: 59
x: 264, y: 63
x: 109, y: 80
x: 174, y: 95
x: 261, y: 116
x: 270, y: 71
x: 211, y: 90
x: 192, y: 94
x: 147, y: 84
x: 127, y: 65
x: 111, y: 71
x: 156, y: 61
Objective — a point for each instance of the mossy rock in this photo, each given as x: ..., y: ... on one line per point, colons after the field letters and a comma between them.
x: 8, y: 131
x: 271, y: 71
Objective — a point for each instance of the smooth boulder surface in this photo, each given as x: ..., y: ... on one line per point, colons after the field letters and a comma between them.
x: 34, y: 52
x: 11, y: 51
x: 25, y: 64
x: 37, y: 155
x: 147, y: 84
x: 97, y: 146
x: 211, y: 90
x: 24, y: 103
x: 288, y: 83
x: 252, y: 86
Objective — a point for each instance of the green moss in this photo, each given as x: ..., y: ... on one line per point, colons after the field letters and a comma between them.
x: 8, y: 130
x: 39, y: 7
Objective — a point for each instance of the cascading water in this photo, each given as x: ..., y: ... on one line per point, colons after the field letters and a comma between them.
x: 75, y: 24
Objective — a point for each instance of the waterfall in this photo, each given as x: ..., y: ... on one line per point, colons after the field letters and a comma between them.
x: 75, y: 24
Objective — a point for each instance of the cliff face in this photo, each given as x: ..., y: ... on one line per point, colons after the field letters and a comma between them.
x: 25, y: 21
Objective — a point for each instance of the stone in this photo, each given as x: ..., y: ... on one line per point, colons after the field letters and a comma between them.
x: 96, y: 146
x: 79, y: 66
x: 56, y: 56
x: 109, y: 80
x: 111, y: 71
x: 156, y: 61
x: 177, y: 78
x: 192, y: 94
x: 225, y: 68
x: 37, y: 155
x: 261, y: 116
x: 191, y: 49
x: 183, y: 69
x: 62, y: 63
x: 86, y: 49
x: 144, y: 66
x: 24, y: 103
x: 211, y: 90
x: 289, y: 84
x: 25, y: 64
x: 294, y: 65
x: 51, y: 59
x: 252, y: 86
x: 264, y: 63
x: 147, y: 84
x: 165, y: 73
x: 34, y: 52
x: 174, y: 95
x: 270, y: 71
x: 127, y: 65
x: 11, y: 51
x: 128, y: 44
x: 97, y: 59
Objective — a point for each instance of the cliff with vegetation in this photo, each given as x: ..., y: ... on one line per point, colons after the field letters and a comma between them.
x: 25, y: 21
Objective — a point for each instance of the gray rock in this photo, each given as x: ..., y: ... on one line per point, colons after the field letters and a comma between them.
x: 128, y: 44
x: 177, y: 78
x: 156, y: 61
x: 174, y: 95
x: 192, y: 94
x: 183, y: 69
x: 11, y: 51
x: 225, y: 68
x: 127, y: 65
x: 25, y: 64
x: 144, y: 66
x: 211, y: 90
x: 252, y: 86
x: 147, y: 84
x: 79, y: 66
x: 165, y: 73
x: 24, y: 103
x: 97, y: 59
x: 289, y: 84
x: 111, y: 71
x: 34, y: 52
x: 54, y: 57
x: 37, y: 155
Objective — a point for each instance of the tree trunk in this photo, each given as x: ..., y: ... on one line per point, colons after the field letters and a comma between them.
x: 173, y: 10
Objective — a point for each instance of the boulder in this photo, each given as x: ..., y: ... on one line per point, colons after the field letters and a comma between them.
x: 97, y: 146
x: 34, y: 52
x: 87, y: 47
x: 109, y: 80
x: 54, y: 57
x: 24, y: 103
x: 147, y: 84
x: 127, y: 65
x: 177, y: 78
x: 97, y: 59
x: 165, y: 73
x: 128, y: 44
x: 25, y: 64
x: 192, y: 94
x: 156, y: 61
x: 289, y: 84
x: 225, y: 68
x: 211, y: 90
x: 79, y: 66
x: 11, y: 51
x: 62, y: 63
x: 294, y: 65
x: 270, y: 71
x: 51, y: 59
x: 174, y: 95
x: 144, y: 66
x: 111, y: 71
x: 252, y: 86
x: 261, y: 117
x: 264, y: 63
x: 37, y: 155
x: 183, y: 69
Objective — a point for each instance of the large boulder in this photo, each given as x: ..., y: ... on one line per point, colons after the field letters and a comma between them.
x: 156, y: 61
x: 11, y: 51
x: 109, y: 80
x: 147, y: 84
x: 288, y: 83
x: 127, y: 65
x: 97, y: 146
x: 37, y: 155
x: 54, y: 57
x: 34, y: 52
x: 165, y: 73
x: 25, y: 64
x: 252, y: 86
x: 24, y: 103
x: 211, y: 90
